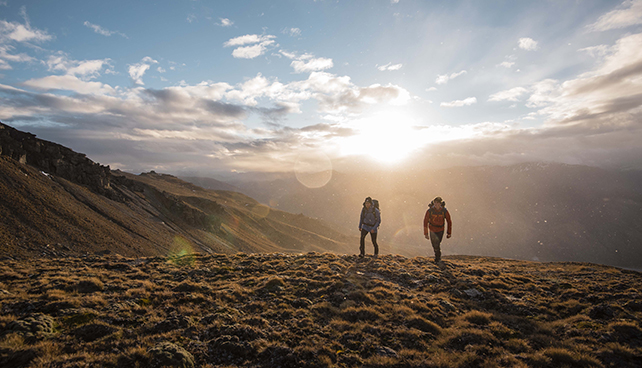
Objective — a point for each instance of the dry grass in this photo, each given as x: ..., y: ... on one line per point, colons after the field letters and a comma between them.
x: 316, y: 310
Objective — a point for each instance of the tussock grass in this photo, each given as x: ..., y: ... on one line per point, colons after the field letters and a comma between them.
x: 316, y: 310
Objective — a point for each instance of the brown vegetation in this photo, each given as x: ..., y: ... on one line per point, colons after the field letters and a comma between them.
x: 317, y: 310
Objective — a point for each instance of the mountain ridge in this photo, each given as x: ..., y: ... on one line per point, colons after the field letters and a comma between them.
x: 53, y: 204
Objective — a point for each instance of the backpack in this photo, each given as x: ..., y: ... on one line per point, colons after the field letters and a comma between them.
x: 375, y: 205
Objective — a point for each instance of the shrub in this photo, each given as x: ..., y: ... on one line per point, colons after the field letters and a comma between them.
x: 625, y: 331
x: 274, y: 284
x: 94, y: 331
x: 464, y: 337
x: 424, y: 325
x: 90, y: 285
x: 325, y: 309
x: 477, y: 318
x: 564, y: 358
x: 168, y: 354
x: 517, y: 346
x: 361, y: 314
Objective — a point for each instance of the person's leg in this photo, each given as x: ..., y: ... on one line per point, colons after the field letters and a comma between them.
x: 362, y: 243
x: 373, y: 236
x: 435, y: 239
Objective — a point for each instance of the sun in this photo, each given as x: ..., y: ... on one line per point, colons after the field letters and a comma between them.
x: 387, y: 137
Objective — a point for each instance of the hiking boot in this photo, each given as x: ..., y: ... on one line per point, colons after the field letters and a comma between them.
x: 361, y: 255
x: 437, y: 260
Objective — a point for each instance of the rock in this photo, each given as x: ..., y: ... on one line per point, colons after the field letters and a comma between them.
x: 54, y: 159
x: 172, y: 355
x: 432, y: 278
x: 385, y: 351
x: 473, y: 293
x: 447, y: 306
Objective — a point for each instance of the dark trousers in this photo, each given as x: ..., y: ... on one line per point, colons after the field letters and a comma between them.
x: 435, y: 239
x: 373, y: 236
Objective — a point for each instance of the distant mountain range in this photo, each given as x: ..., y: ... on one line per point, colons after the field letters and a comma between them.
x: 535, y: 211
x: 56, y: 202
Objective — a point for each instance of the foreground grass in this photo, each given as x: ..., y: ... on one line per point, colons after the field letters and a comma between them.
x: 317, y: 310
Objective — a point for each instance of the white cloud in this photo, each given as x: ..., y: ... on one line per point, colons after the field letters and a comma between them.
x: 431, y: 89
x: 136, y: 71
x: 506, y: 64
x: 460, y: 103
x: 394, y: 1
x: 390, y: 66
x: 294, y: 32
x: 543, y: 93
x: 627, y: 14
x: 6, y: 56
x: 12, y: 31
x: 85, y: 68
x: 261, y: 42
x: 248, y: 39
x: 249, y: 52
x: 596, y: 51
x: 100, y: 30
x: 311, y: 65
x: 443, y: 79
x: 307, y: 63
x: 191, y: 18
x: 528, y: 44
x: 161, y: 70
x: 512, y: 94
x: 226, y: 22
x: 69, y: 83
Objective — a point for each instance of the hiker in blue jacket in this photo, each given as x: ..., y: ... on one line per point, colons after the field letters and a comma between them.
x: 369, y: 223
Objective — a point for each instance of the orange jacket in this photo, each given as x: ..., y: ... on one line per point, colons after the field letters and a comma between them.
x: 435, y: 221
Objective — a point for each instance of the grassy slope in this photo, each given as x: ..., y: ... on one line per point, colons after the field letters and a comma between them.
x: 317, y: 310
x: 43, y: 215
x: 46, y: 216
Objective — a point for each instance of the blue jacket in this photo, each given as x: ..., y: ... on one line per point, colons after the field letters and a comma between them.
x: 370, y: 219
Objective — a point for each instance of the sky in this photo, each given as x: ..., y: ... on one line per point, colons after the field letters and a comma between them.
x: 205, y: 87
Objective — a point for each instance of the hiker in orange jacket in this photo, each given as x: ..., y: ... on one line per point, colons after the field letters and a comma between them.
x: 434, y: 221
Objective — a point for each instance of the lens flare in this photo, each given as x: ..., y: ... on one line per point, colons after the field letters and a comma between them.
x: 181, y: 252
x: 261, y: 211
x: 313, y: 169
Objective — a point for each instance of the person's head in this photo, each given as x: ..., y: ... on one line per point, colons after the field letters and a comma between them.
x: 438, y: 202
x: 368, y: 202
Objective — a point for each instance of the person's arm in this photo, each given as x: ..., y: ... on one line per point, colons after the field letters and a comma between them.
x: 426, y: 220
x: 361, y: 218
x: 450, y: 223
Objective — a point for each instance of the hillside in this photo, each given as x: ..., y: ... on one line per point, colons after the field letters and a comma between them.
x: 56, y: 202
x: 547, y: 212
x: 317, y: 310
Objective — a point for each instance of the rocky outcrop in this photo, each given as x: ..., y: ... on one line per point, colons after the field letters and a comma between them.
x: 54, y: 159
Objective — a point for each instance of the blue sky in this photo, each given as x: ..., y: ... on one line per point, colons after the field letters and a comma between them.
x: 202, y: 87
